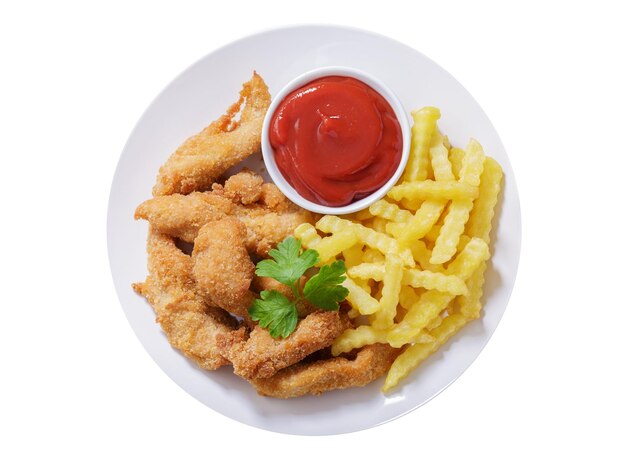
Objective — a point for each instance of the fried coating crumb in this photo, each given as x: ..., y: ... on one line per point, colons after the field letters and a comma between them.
x: 222, y: 267
x: 269, y: 220
x: 204, y: 157
x: 314, y: 378
x: 203, y: 333
x: 261, y: 356
x: 182, y: 216
x: 242, y: 188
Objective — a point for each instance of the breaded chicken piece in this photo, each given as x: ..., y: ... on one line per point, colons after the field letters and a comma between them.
x: 266, y: 230
x: 222, y: 267
x: 202, y: 333
x: 300, y: 379
x: 261, y: 356
x: 203, y: 158
x: 274, y: 199
x: 268, y: 220
x: 195, y: 210
x: 243, y: 188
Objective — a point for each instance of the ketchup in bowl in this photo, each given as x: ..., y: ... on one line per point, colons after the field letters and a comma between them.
x: 335, y: 140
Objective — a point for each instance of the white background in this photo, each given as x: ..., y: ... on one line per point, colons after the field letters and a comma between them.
x: 75, y: 78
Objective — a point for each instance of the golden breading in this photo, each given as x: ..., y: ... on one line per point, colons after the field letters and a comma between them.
x: 269, y: 219
x: 203, y: 333
x: 182, y: 216
x: 313, y: 378
x: 261, y: 356
x: 222, y: 267
x: 203, y: 158
x: 242, y: 188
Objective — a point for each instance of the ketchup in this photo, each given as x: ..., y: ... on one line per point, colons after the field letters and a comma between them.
x: 336, y: 140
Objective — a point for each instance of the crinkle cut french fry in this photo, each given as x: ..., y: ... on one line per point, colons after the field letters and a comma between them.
x: 379, y: 225
x: 411, y: 204
x: 453, y: 225
x: 433, y: 234
x: 363, y: 215
x: 353, y: 255
x: 416, y: 354
x: 446, y: 142
x: 419, y: 224
x: 413, y: 277
x: 469, y: 259
x: 434, y: 281
x: 442, y: 170
x: 390, y: 211
x: 473, y: 163
x: 433, y: 302
x: 366, y: 334
x: 331, y: 246
x: 456, y: 160
x: 424, y: 124
x: 308, y: 235
x: 429, y: 189
x: 429, y: 306
x: 359, y: 298
x: 369, y: 237
x: 435, y: 322
x: 392, y: 281
x: 459, y: 211
x: 356, y: 338
x: 479, y: 223
x: 408, y: 298
x: 422, y: 255
x: 374, y: 271
x: 470, y: 304
x: 373, y: 256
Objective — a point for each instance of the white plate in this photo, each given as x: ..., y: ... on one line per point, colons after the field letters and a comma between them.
x: 201, y: 94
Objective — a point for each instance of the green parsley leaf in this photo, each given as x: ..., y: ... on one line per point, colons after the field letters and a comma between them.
x: 275, y: 312
x: 288, y: 265
x: 325, y: 289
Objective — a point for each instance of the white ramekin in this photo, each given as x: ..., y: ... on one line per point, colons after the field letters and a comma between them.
x: 268, y: 152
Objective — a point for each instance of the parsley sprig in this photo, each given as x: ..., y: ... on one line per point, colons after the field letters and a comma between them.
x: 278, y: 313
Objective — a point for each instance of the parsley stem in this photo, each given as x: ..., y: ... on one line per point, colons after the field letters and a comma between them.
x: 295, y: 288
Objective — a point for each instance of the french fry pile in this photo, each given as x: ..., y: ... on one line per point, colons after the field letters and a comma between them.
x: 416, y: 259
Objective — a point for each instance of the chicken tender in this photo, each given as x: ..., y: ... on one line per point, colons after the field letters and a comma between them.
x: 266, y: 230
x: 261, y: 356
x: 203, y: 158
x: 300, y: 379
x: 268, y: 220
x: 222, y: 267
x: 194, y: 211
x: 202, y: 333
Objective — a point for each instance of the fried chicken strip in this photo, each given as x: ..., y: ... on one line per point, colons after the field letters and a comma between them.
x: 269, y: 219
x: 300, y: 379
x: 261, y: 356
x: 202, y: 333
x: 203, y: 158
x: 182, y: 216
x: 266, y: 230
x: 222, y: 267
